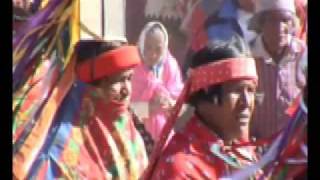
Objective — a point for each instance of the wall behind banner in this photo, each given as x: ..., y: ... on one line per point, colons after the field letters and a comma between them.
x: 135, y: 20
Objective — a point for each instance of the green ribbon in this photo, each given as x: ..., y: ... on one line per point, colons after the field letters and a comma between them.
x: 232, y: 161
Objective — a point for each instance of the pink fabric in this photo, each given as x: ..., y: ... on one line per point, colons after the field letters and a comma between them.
x: 145, y: 86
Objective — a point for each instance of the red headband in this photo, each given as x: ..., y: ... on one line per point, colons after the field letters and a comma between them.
x: 108, y: 63
x: 225, y: 70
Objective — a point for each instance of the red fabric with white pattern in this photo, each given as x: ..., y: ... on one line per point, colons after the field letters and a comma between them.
x: 225, y: 70
x: 108, y: 63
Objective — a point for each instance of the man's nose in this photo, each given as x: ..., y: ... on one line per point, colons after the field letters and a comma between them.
x: 153, y: 55
x: 125, y: 89
x: 283, y: 27
x: 245, y: 98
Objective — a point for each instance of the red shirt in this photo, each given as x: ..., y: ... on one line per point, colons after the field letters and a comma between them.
x: 195, y: 152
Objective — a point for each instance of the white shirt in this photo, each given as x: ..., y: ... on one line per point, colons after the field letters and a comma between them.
x: 258, y: 50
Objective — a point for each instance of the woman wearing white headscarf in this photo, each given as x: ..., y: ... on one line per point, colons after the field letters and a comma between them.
x: 158, y: 79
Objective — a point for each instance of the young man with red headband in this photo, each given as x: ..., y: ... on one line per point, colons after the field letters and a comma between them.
x: 287, y: 153
x: 221, y: 91
x: 93, y: 135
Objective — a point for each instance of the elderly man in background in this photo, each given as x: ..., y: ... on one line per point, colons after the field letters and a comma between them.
x: 277, y: 51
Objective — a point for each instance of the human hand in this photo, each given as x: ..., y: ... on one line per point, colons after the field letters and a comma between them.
x: 163, y: 101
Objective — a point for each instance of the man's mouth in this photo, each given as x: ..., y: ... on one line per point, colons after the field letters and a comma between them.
x: 121, y: 98
x: 124, y: 98
x: 244, y: 118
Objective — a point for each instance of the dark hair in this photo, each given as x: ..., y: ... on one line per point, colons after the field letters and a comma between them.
x: 88, y: 49
x: 216, y: 51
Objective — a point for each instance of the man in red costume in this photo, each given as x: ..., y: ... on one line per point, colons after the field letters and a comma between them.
x: 221, y: 91
x: 92, y: 134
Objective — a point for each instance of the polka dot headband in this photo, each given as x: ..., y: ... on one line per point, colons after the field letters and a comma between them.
x: 222, y: 71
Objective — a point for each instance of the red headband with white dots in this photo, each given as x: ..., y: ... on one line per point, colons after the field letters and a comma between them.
x: 108, y: 63
x: 222, y: 71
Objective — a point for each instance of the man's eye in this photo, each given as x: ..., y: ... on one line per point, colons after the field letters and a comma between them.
x: 233, y: 92
x: 252, y: 90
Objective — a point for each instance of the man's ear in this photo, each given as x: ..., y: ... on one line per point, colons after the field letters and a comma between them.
x: 99, y: 90
x: 202, y: 104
